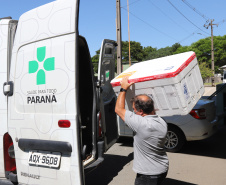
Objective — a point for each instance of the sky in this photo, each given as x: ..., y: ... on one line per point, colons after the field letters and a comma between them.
x: 155, y: 23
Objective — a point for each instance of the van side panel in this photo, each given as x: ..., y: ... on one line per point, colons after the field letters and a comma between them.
x: 4, y: 26
x: 44, y: 75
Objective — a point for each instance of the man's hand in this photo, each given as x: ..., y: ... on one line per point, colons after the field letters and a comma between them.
x: 125, y: 84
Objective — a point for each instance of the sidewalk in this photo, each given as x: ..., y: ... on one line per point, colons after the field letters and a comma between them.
x: 200, y: 162
x: 209, y: 90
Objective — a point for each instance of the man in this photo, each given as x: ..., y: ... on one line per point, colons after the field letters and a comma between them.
x: 150, y: 159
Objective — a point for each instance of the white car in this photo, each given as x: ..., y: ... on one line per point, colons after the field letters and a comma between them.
x: 199, y: 124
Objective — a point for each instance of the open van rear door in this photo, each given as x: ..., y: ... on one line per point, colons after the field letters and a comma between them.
x: 106, y: 72
x: 43, y: 109
x: 4, y: 24
x: 7, y: 32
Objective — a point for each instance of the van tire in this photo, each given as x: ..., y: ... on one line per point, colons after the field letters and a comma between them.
x: 175, y: 139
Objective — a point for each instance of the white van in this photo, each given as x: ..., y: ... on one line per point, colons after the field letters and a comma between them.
x: 60, y: 119
x: 7, y: 32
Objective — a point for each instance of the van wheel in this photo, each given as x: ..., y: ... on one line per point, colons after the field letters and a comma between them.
x: 175, y: 139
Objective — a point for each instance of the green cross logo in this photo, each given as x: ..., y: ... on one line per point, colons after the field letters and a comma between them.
x: 48, y: 65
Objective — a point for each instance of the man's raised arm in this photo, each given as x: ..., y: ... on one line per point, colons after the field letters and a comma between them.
x: 120, y: 103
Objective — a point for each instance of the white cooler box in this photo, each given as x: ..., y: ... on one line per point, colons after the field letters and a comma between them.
x: 173, y: 82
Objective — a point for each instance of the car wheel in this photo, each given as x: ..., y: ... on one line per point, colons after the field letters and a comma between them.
x: 175, y: 139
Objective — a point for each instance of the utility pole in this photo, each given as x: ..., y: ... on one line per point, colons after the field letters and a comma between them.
x: 212, y: 49
x: 119, y: 36
x: 128, y: 32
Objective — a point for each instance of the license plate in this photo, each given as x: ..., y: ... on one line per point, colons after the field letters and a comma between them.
x: 44, y: 159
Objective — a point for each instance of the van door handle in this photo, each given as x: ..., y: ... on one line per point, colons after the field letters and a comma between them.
x: 83, y: 127
x: 8, y: 88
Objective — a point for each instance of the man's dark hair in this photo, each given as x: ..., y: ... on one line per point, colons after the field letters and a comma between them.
x: 147, y: 106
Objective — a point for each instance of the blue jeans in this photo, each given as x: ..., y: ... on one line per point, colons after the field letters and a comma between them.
x: 150, y: 179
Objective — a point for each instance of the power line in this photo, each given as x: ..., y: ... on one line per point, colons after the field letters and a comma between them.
x: 167, y: 15
x: 149, y: 24
x: 223, y: 21
x: 187, y: 18
x: 198, y: 12
x: 192, y: 34
x: 202, y: 15
x: 186, y: 38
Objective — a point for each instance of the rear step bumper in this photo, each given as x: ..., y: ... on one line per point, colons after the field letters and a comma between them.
x: 5, y: 182
x: 11, y: 179
x: 100, y: 147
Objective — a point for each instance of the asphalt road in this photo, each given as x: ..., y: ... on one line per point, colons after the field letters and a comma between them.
x: 198, y: 163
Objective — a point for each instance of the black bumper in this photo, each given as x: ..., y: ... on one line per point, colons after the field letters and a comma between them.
x: 5, y: 182
x: 10, y: 180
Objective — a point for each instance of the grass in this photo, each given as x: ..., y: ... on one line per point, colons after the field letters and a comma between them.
x: 210, y: 84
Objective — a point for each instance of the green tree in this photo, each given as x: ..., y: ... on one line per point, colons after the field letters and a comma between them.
x: 219, y: 52
x: 182, y: 49
x: 205, y: 71
x: 202, y: 48
x: 95, y: 61
x: 136, y: 51
x: 147, y: 50
x: 174, y: 47
x: 162, y: 52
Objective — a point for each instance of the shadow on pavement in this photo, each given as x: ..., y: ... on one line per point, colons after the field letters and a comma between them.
x: 109, y: 169
x: 205, y: 97
x: 212, y: 147
x: 169, y: 181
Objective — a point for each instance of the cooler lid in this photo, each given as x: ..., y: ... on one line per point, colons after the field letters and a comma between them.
x: 160, y: 68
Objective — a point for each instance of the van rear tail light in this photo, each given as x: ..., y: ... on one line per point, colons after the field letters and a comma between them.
x: 198, y: 113
x: 9, y: 155
x: 64, y: 123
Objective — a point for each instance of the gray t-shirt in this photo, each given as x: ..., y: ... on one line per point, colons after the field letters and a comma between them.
x: 150, y: 135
